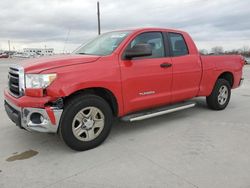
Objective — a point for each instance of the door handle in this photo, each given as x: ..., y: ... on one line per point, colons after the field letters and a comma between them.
x: 166, y: 65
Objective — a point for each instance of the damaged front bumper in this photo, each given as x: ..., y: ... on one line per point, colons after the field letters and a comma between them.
x: 34, y: 119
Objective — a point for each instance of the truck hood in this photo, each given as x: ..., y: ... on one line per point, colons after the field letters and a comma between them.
x: 38, y: 65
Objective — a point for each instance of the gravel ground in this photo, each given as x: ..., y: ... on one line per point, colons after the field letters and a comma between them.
x: 192, y: 148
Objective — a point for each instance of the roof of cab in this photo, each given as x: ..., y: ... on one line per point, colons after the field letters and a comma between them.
x: 157, y: 29
x: 152, y: 29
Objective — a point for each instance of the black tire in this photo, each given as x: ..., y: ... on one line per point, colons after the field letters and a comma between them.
x: 74, y: 106
x: 213, y: 98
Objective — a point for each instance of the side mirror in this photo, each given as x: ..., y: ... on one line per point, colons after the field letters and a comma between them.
x: 139, y: 50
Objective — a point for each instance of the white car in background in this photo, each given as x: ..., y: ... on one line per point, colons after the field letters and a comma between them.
x: 247, y: 60
x: 21, y: 55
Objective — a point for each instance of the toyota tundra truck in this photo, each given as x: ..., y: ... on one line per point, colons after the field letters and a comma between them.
x: 129, y: 74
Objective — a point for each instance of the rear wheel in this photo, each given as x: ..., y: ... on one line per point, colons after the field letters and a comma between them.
x: 86, y: 122
x: 220, y: 96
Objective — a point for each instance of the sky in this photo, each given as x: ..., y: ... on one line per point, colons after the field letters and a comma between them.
x: 66, y: 24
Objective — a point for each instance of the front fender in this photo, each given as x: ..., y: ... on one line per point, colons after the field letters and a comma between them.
x: 79, y: 77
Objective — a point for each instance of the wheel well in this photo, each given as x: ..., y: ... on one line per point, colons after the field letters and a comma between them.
x: 107, y: 95
x: 227, y: 76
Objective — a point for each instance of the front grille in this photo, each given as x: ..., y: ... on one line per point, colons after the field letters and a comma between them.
x: 14, y: 81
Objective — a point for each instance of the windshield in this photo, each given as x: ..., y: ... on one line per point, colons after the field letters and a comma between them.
x: 104, y: 44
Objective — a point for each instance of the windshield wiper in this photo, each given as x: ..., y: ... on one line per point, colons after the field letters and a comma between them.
x: 82, y: 53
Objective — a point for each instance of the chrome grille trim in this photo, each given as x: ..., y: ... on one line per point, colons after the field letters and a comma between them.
x: 16, y: 81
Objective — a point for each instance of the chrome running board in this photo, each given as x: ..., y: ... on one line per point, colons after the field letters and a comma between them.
x: 157, y: 112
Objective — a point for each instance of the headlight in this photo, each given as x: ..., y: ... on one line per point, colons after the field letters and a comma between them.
x: 39, y: 80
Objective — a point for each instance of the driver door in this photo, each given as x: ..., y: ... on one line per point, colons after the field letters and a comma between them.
x: 146, y: 82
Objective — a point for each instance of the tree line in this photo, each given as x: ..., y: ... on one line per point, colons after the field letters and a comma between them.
x: 218, y: 50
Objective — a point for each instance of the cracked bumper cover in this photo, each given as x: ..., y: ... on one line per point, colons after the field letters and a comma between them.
x: 24, y: 117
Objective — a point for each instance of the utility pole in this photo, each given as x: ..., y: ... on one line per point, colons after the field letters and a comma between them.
x: 98, y: 18
x: 9, y: 44
x: 66, y: 40
x: 9, y: 47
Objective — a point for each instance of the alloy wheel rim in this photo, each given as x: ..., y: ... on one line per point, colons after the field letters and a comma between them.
x: 88, y: 123
x: 223, y: 95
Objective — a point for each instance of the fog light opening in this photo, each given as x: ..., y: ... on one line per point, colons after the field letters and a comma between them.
x: 36, y: 118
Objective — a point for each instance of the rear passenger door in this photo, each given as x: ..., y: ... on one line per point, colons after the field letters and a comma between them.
x: 186, y: 69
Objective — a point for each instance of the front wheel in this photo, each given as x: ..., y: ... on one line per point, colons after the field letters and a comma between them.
x: 220, y: 96
x: 86, y: 122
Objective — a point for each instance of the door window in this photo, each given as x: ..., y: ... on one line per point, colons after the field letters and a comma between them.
x: 155, y: 40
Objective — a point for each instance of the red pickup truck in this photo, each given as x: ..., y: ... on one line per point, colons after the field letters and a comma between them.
x: 129, y: 74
